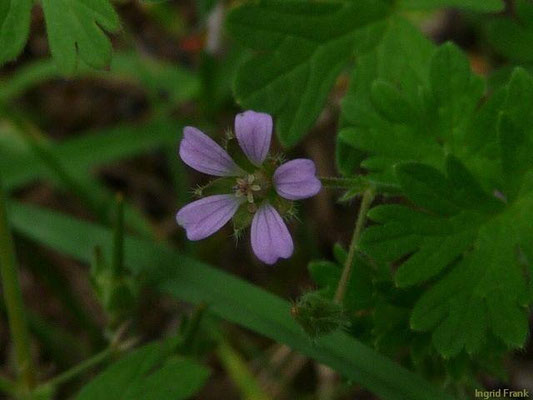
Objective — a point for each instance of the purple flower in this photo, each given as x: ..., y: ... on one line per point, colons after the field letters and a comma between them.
x: 254, y: 132
x: 202, y: 153
x: 270, y: 237
x: 296, y: 179
x: 258, y: 192
x: 203, y: 217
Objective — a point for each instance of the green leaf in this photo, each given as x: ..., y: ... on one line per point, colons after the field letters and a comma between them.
x: 22, y: 167
x: 76, y: 29
x: 147, y: 374
x: 515, y: 136
x: 466, y: 241
x: 465, y: 327
x: 455, y: 90
x: 192, y: 281
x: 366, y: 129
x: 303, y: 47
x: 390, y: 102
x: 474, y: 5
x: 14, y: 27
x: 404, y: 105
x: 426, y: 187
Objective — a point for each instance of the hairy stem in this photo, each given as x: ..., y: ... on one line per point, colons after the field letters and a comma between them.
x: 13, y: 300
x: 368, y: 197
x: 341, y: 183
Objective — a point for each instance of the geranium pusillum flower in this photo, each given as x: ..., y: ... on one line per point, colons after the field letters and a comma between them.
x: 253, y: 190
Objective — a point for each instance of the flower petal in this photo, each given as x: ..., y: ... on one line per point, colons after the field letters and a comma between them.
x: 296, y: 179
x: 270, y: 237
x: 204, y: 217
x: 202, y: 153
x: 254, y: 131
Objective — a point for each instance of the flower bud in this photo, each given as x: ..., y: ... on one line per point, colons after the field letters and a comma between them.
x: 317, y: 315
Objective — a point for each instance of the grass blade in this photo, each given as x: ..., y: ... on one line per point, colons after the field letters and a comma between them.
x: 230, y: 297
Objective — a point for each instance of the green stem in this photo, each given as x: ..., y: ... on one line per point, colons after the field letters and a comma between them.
x: 118, y: 238
x: 368, y: 197
x: 361, y: 182
x: 13, y: 300
x: 80, y: 368
x: 239, y: 372
x: 341, y: 183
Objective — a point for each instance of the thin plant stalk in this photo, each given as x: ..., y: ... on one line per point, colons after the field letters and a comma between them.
x: 239, y: 372
x: 81, y: 368
x: 118, y: 237
x: 368, y: 197
x: 341, y: 183
x: 13, y: 300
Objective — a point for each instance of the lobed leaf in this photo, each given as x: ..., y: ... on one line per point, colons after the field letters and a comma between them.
x: 14, y: 27
x: 417, y: 107
x: 466, y: 242
x: 76, y: 31
x: 304, y: 45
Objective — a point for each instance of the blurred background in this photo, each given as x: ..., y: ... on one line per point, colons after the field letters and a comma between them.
x: 173, y: 66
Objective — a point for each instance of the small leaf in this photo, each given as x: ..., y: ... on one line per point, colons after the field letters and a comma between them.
x: 177, y: 379
x: 426, y: 186
x: 467, y: 192
x: 515, y: 133
x: 508, y: 322
x: 76, y: 29
x: 465, y: 326
x: 147, y: 374
x: 14, y: 27
x: 389, y: 101
x: 455, y: 90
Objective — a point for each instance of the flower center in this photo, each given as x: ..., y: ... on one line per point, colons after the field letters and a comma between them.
x: 247, y: 187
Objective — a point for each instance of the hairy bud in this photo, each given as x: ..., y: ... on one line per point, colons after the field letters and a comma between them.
x: 317, y: 315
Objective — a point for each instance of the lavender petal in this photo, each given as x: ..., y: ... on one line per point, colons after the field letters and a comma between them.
x: 202, y: 153
x: 204, y: 217
x: 271, y: 239
x: 254, y: 132
x: 296, y: 179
